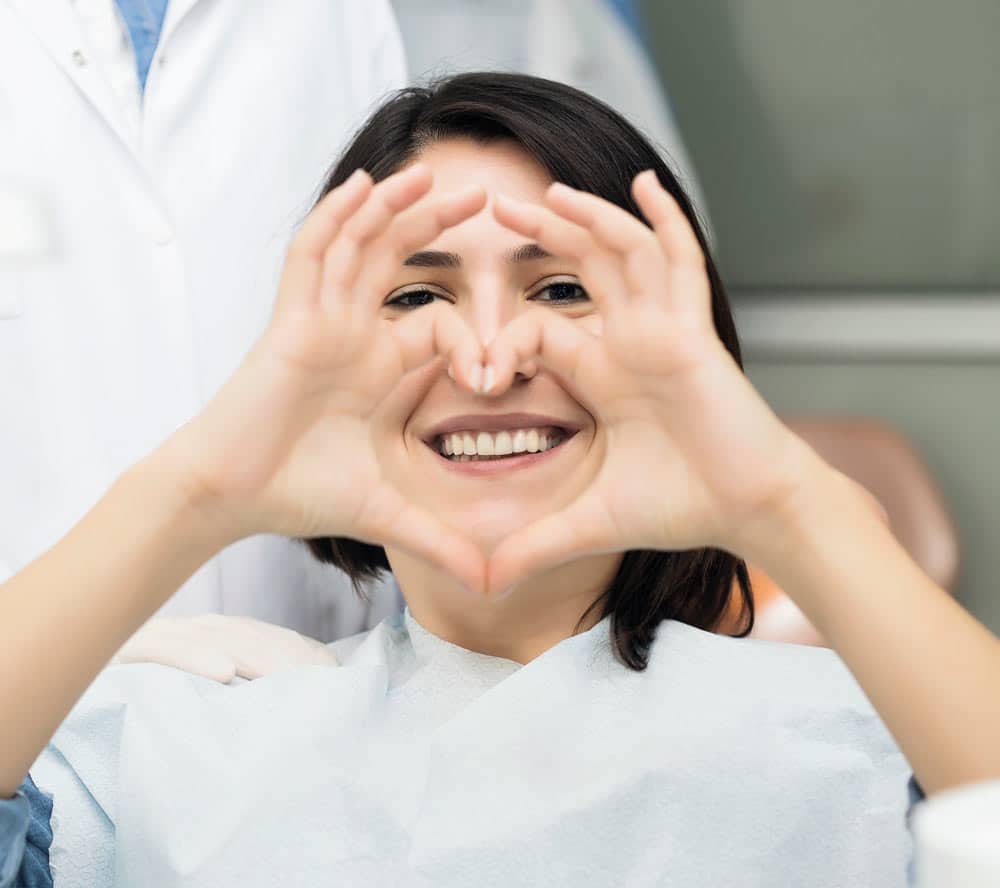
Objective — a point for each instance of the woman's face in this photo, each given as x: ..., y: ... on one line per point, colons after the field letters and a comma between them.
x: 487, y: 465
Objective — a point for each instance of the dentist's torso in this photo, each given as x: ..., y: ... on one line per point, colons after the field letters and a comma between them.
x: 167, y: 231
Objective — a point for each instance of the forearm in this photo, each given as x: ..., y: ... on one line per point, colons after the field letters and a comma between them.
x: 65, y: 615
x: 929, y: 668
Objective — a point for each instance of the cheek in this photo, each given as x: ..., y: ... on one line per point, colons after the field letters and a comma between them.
x: 592, y: 323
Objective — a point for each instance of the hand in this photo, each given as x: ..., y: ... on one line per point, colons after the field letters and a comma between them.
x: 285, y: 447
x: 222, y: 648
x: 694, y: 457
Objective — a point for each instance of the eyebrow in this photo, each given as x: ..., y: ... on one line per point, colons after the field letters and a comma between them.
x: 439, y: 259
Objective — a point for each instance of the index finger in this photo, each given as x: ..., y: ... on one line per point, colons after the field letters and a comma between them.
x: 600, y: 270
x: 326, y: 218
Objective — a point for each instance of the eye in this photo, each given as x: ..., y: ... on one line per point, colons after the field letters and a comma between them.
x: 414, y: 298
x: 560, y: 293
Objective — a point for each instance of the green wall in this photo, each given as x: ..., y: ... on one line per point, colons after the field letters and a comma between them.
x: 845, y: 145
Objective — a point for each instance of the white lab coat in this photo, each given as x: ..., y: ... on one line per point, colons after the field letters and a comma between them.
x: 167, y: 243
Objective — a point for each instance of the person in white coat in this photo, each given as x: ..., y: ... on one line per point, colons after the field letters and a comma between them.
x: 167, y: 210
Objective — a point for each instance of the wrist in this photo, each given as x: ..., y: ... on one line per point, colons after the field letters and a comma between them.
x: 826, y: 524
x: 820, y: 503
x: 168, y: 476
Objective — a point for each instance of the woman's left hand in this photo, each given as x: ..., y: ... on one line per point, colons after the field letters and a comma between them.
x: 694, y: 456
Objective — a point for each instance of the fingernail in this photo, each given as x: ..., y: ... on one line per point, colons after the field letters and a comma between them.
x: 451, y: 373
x: 476, y: 378
x: 489, y: 378
x: 505, y: 593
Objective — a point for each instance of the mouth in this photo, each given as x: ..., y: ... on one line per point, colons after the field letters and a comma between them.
x: 471, y: 446
x: 498, y: 441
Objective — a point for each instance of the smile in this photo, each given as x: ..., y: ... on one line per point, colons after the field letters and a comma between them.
x: 484, y: 444
x: 473, y: 446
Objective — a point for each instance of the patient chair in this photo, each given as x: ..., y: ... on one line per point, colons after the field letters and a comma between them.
x: 879, y: 458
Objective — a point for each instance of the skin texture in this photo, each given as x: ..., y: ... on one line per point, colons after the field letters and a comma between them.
x: 320, y: 430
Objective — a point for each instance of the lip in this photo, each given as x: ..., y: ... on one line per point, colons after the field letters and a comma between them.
x: 496, y: 422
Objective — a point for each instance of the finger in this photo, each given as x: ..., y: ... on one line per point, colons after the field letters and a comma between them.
x: 675, y: 233
x: 388, y: 519
x: 543, y: 226
x: 180, y: 652
x: 409, y: 231
x: 236, y: 638
x: 689, y: 283
x: 556, y: 342
x: 584, y: 528
x: 326, y: 218
x: 601, y: 272
x: 389, y: 197
x: 268, y: 649
x: 617, y: 230
x: 303, y: 271
x: 438, y: 331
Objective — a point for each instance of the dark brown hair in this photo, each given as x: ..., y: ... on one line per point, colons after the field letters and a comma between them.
x: 587, y: 145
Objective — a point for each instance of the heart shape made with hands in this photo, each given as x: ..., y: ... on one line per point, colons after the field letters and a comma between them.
x: 693, y: 455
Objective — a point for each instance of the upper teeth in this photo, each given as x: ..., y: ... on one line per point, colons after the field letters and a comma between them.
x: 498, y: 443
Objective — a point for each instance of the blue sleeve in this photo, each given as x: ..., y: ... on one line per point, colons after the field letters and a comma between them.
x: 25, y: 838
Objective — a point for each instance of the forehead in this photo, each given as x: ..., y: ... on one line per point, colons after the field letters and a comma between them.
x: 501, y: 167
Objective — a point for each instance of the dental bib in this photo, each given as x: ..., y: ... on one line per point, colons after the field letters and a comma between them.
x: 417, y: 763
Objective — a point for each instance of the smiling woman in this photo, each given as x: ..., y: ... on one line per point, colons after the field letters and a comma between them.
x: 516, y: 136
x: 502, y: 363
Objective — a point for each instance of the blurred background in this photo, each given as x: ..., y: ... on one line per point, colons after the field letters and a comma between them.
x: 843, y: 156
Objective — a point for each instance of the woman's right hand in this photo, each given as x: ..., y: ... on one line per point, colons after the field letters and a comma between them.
x: 285, y: 446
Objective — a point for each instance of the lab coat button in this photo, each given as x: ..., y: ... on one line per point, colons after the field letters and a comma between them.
x: 79, y: 59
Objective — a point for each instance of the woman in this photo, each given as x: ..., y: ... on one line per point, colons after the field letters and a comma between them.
x: 497, y: 386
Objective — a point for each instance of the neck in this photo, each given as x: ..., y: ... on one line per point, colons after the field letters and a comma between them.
x: 539, y: 614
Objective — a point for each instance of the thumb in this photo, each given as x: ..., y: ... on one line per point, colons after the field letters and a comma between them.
x: 584, y: 528
x: 388, y: 519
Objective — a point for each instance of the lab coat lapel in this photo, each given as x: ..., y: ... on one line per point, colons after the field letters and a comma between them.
x: 56, y: 27
x: 176, y: 11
